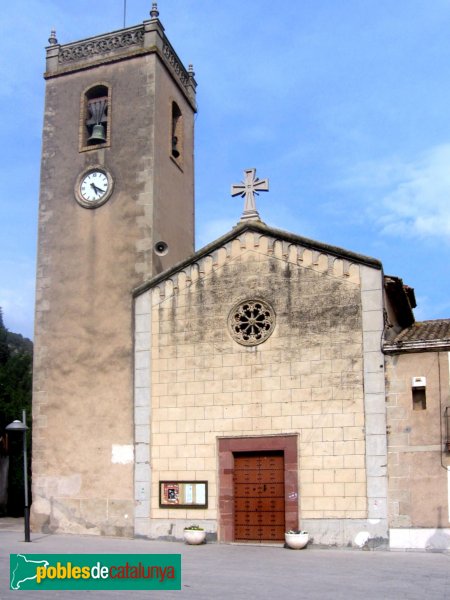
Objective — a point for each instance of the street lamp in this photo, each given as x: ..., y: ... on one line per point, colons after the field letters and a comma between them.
x: 21, y: 426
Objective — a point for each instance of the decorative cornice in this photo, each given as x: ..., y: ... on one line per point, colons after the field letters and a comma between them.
x: 175, y: 64
x: 321, y: 257
x: 124, y: 44
x: 101, y: 46
x: 249, y: 240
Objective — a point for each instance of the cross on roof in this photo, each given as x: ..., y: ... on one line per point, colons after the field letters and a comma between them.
x: 250, y: 188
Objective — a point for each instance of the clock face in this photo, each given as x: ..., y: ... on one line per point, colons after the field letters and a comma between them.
x: 93, y: 187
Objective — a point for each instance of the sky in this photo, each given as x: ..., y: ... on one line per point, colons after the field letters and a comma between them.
x: 343, y: 105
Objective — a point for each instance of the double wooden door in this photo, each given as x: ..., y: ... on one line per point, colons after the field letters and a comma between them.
x: 259, y: 496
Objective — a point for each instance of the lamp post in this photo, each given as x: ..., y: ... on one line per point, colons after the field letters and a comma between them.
x: 21, y: 426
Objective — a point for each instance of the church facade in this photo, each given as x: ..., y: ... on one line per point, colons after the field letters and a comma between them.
x: 264, y: 383
x: 217, y: 385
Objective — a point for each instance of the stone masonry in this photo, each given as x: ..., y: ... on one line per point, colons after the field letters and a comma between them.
x: 195, y: 384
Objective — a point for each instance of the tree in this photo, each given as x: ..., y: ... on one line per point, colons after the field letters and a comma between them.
x: 15, y: 396
x: 4, y: 348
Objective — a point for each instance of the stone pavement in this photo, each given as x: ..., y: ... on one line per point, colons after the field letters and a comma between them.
x: 231, y: 571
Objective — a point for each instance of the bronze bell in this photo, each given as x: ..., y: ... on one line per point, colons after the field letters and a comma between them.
x: 98, y: 135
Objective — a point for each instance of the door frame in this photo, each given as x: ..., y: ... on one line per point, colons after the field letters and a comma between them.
x: 226, y: 448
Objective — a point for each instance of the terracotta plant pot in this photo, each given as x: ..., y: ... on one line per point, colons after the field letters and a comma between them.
x: 296, y: 541
x: 194, y: 536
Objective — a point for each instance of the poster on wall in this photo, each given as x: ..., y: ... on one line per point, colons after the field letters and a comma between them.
x: 172, y: 493
x: 183, y: 494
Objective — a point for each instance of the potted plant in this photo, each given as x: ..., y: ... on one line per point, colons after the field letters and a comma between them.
x: 296, y: 539
x: 194, y: 534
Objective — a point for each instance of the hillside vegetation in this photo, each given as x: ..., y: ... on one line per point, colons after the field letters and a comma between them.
x: 16, y: 359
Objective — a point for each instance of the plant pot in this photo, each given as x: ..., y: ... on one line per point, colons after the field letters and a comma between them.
x: 296, y: 541
x: 194, y: 536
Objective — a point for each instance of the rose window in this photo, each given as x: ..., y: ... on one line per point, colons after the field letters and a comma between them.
x: 251, y: 322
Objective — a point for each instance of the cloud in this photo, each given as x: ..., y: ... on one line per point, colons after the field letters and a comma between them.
x: 407, y: 198
x: 420, y: 202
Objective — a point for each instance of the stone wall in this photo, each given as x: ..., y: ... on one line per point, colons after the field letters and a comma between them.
x: 418, y: 481
x: 306, y: 379
x: 88, y: 262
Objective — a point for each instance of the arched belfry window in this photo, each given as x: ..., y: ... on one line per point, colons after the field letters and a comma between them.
x: 95, y: 117
x: 177, y: 132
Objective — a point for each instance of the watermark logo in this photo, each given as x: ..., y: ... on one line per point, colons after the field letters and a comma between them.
x: 95, y: 571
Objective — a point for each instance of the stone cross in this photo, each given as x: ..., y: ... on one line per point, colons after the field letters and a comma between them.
x: 250, y: 188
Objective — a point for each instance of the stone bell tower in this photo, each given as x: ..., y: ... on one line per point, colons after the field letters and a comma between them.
x: 116, y: 208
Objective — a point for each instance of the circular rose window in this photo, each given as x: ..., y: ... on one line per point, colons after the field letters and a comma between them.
x: 251, y: 322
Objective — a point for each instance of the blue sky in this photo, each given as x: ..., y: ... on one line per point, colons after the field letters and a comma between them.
x: 344, y: 106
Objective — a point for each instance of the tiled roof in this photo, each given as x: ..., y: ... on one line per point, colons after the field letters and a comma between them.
x: 422, y: 336
x: 438, y: 329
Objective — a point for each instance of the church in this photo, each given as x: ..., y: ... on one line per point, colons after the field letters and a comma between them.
x: 264, y: 383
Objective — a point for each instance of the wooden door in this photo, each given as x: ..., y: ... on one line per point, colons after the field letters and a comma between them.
x: 259, y: 496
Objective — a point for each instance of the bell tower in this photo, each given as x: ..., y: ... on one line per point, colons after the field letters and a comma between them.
x: 116, y: 208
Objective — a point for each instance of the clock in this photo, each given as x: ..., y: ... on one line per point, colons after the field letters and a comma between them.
x: 93, y: 187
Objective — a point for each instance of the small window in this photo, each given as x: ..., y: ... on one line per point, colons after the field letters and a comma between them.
x: 176, y: 132
x: 95, y: 117
x: 419, y: 398
x: 447, y: 428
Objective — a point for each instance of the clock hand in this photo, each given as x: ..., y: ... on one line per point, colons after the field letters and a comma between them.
x: 96, y: 189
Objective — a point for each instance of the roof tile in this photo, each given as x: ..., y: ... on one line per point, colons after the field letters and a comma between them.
x: 424, y: 331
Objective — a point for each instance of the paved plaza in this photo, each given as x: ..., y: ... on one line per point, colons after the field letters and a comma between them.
x: 250, y: 572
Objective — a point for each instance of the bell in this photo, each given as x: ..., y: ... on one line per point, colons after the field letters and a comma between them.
x: 98, y: 135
